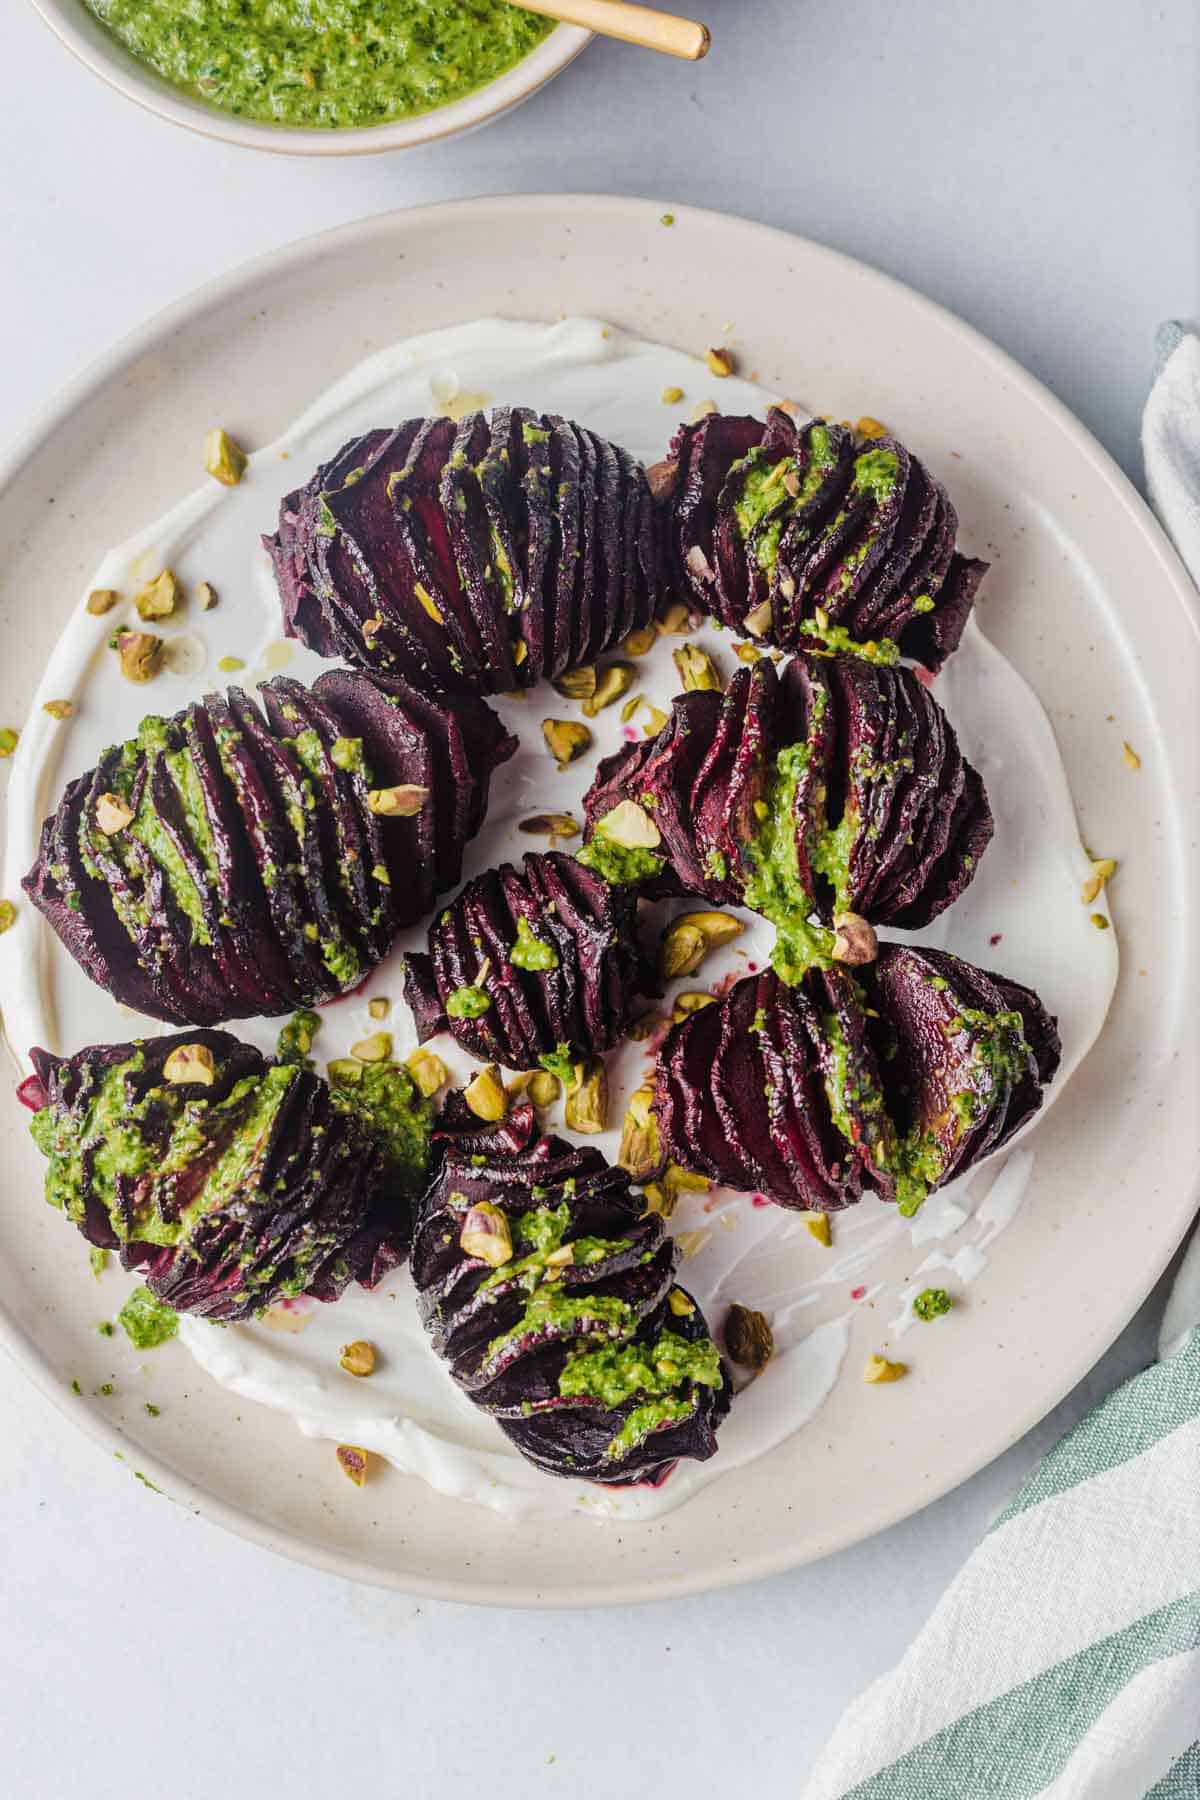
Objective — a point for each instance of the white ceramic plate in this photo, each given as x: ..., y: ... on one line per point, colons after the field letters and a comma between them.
x: 99, y: 51
x: 1085, y: 598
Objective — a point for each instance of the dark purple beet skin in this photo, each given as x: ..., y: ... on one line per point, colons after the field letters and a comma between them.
x: 788, y: 532
x: 273, y: 876
x: 509, y: 1330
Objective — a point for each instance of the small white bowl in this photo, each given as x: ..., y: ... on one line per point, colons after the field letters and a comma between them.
x: 83, y: 34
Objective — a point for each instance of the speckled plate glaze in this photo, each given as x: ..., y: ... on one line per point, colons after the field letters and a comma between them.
x: 1085, y: 598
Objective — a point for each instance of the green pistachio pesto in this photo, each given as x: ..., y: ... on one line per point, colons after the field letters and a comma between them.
x: 147, y: 1321
x: 616, y: 1373
x: 618, y: 865
x: 775, y: 889
x: 296, y: 1038
x: 468, y: 1003
x: 561, y: 1062
x: 391, y: 1108
x: 835, y: 640
x: 324, y: 63
x: 530, y: 952
x: 764, y: 506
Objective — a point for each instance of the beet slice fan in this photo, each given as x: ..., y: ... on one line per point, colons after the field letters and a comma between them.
x: 550, y: 1294
x: 837, y: 790
x: 893, y: 1081
x: 221, y: 865
x: 472, y: 557
x: 228, y: 1180
x: 811, y: 537
x: 529, y: 966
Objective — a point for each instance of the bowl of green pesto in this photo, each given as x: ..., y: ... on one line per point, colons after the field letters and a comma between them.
x: 316, y: 77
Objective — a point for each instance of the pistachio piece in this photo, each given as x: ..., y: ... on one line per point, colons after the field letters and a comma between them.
x: 640, y: 1152
x: 560, y: 825
x: 485, y: 1095
x: 224, y: 460
x: 380, y: 1007
x: 654, y: 721
x: 616, y: 680
x: 486, y: 1234
x: 660, y: 478
x: 159, y: 598
x: 671, y: 396
x: 190, y: 1062
x: 428, y: 1071
x: 9, y: 739
x: 689, y: 938
x: 629, y: 826
x: 374, y: 1049
x: 658, y: 1200
x: 818, y: 1224
x: 560, y: 1259
x: 675, y: 618
x: 404, y: 801
x: 748, y: 1337
x: 565, y: 740
x: 520, y: 651
x: 353, y: 1462
x: 101, y: 601
x: 640, y: 643
x: 229, y: 665
x: 681, y: 1304
x: 1103, y: 870
x: 690, y: 1001
x: 932, y: 1303
x: 697, y: 670
x: 576, y: 684
x: 645, y: 1026
x: 854, y: 940
x: 759, y: 619
x: 113, y: 814
x: 544, y: 1088
x: 206, y: 596
x: 878, y: 1369
x: 59, y: 709
x: 678, y: 1180
x: 867, y: 427
x: 747, y: 653
x: 139, y: 655
x: 427, y: 603
x: 703, y: 409
x: 358, y: 1358
x: 344, y: 1071
x: 587, y: 1098
x: 1099, y: 921
x: 720, y: 363
x: 1132, y: 759
x: 630, y: 707
x: 8, y: 915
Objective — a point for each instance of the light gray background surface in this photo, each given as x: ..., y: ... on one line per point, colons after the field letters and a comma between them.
x: 1032, y: 166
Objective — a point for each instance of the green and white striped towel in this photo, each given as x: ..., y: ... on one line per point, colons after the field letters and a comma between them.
x: 1064, y: 1661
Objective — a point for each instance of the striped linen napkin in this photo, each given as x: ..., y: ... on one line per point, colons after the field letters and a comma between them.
x: 1064, y: 1661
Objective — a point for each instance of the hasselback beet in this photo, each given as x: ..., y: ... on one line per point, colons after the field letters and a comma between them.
x: 551, y: 1295
x: 893, y: 1081
x: 808, y: 536
x: 837, y: 788
x: 223, y: 864
x: 476, y: 556
x: 227, y: 1179
x: 527, y: 965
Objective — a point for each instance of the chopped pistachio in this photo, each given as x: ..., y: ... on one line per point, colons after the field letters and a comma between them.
x: 344, y: 1071
x: 932, y: 1303
x: 748, y: 1337
x: 428, y: 603
x: 644, y: 1026
x: 206, y: 596
x: 1103, y: 870
x: 640, y: 1152
x: 520, y: 651
x: 113, y: 814
x: 639, y: 643
x: 229, y: 665
x: 190, y: 1063
x: 1099, y: 921
x: 558, y: 1260
x: 703, y: 409
x: 671, y: 396
x: 747, y: 653
x: 818, y: 1224
x: 689, y: 938
x: 616, y: 680
x: 629, y: 826
x: 720, y: 363
x: 759, y: 619
x: 867, y: 427
x: 544, y: 1088
x: 159, y: 598
x: 428, y: 1071
x: 101, y: 601
x: 690, y: 1001
x: 678, y: 1180
x: 374, y: 1049
x: 404, y: 801
x: 565, y: 740
x: 654, y: 721
x: 486, y: 1234
x: 577, y: 684
x: 681, y: 1304
x: 587, y: 1098
x: 854, y: 940
x: 560, y: 825
x: 675, y: 619
x: 224, y: 460
x: 8, y: 915
x: 485, y: 1095
x: 380, y: 1007
x: 667, y: 219
x: 697, y: 670
x: 1132, y: 759
x: 9, y: 739
x: 879, y: 1369
x: 358, y: 1358
x: 353, y: 1462
x: 630, y: 707
x: 658, y: 1200
x: 59, y: 709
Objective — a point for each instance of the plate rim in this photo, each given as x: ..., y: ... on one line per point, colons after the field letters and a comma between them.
x: 1073, y: 1368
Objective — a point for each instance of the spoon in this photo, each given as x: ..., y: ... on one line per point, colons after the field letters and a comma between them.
x: 643, y: 25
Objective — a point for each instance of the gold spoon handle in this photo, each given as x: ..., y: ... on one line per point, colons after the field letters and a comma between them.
x: 642, y: 25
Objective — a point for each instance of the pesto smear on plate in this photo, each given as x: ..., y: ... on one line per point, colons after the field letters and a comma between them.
x: 325, y: 63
